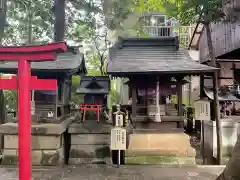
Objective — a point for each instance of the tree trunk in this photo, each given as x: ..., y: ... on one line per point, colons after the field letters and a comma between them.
x: 215, y: 87
x: 215, y: 93
x: 2, y: 26
x: 231, y: 172
x: 30, y: 18
x: 59, y: 26
x: 2, y: 102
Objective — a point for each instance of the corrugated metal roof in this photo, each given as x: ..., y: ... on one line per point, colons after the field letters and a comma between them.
x: 148, y: 55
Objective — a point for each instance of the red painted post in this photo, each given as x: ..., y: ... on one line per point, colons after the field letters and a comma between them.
x: 25, y: 119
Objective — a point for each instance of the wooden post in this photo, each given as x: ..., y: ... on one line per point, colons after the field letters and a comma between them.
x: 235, y: 84
x: 134, y: 99
x: 190, y: 90
x: 201, y: 86
x: 179, y: 94
x: 158, y: 117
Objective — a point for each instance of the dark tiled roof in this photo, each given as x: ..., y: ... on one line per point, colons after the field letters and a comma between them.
x: 69, y: 61
x: 94, y: 85
x: 152, y: 55
x: 227, y: 97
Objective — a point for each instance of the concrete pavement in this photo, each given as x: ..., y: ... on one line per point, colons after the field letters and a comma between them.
x: 106, y: 172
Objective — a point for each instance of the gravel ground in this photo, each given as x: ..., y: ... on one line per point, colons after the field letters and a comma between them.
x: 106, y: 172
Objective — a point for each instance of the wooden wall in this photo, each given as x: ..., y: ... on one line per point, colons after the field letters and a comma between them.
x: 226, y: 75
x: 232, y: 3
x: 225, y: 37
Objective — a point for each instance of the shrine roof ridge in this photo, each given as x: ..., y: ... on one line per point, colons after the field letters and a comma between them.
x: 72, y: 61
x: 149, y: 41
x: 97, y: 78
x: 58, y: 47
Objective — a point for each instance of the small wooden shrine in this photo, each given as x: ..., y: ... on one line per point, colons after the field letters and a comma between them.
x: 53, y: 106
x: 95, y: 89
x: 156, y: 68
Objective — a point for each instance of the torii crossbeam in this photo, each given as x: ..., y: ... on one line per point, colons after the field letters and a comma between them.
x: 24, y: 82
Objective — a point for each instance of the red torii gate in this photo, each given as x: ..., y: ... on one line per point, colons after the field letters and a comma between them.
x: 24, y: 82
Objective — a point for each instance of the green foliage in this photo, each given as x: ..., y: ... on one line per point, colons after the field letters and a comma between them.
x: 115, y: 97
x: 185, y: 11
x: 76, y: 98
x: 25, y: 13
x: 11, y: 100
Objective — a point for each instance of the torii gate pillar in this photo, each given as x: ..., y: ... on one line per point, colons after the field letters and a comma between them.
x: 24, y: 83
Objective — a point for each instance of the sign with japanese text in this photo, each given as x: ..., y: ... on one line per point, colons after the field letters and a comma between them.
x: 118, y: 139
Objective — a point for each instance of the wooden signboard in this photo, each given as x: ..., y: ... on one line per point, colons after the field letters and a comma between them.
x: 118, y: 139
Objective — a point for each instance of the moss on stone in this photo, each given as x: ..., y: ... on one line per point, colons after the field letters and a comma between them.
x: 50, y: 158
x: 155, y: 160
x: 103, y: 152
x: 150, y: 160
x: 94, y: 152
x: 10, y: 160
x: 79, y: 153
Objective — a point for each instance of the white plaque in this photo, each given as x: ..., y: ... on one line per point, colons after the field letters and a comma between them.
x: 118, y: 139
x: 202, y: 110
x: 33, y: 107
x: 119, y: 120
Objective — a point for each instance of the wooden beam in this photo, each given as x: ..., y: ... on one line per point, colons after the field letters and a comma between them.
x: 208, y: 77
x: 179, y: 94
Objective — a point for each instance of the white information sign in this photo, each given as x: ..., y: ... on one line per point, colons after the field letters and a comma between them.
x: 118, y: 139
x: 202, y: 110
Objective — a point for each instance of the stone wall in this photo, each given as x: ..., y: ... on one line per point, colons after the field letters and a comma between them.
x: 231, y: 172
x: 230, y: 131
x: 48, y: 142
x: 90, y: 143
x: 46, y: 150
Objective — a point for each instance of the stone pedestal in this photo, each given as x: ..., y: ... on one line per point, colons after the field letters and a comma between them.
x: 47, y: 143
x: 229, y: 138
x: 160, y: 148
x: 90, y: 143
x: 231, y: 172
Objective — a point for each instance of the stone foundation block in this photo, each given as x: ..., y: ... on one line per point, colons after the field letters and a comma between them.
x: 52, y: 157
x: 10, y: 157
x: 39, y: 157
x: 38, y: 142
x: 90, y: 139
x: 229, y: 137
x: 89, y: 151
x: 165, y: 144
